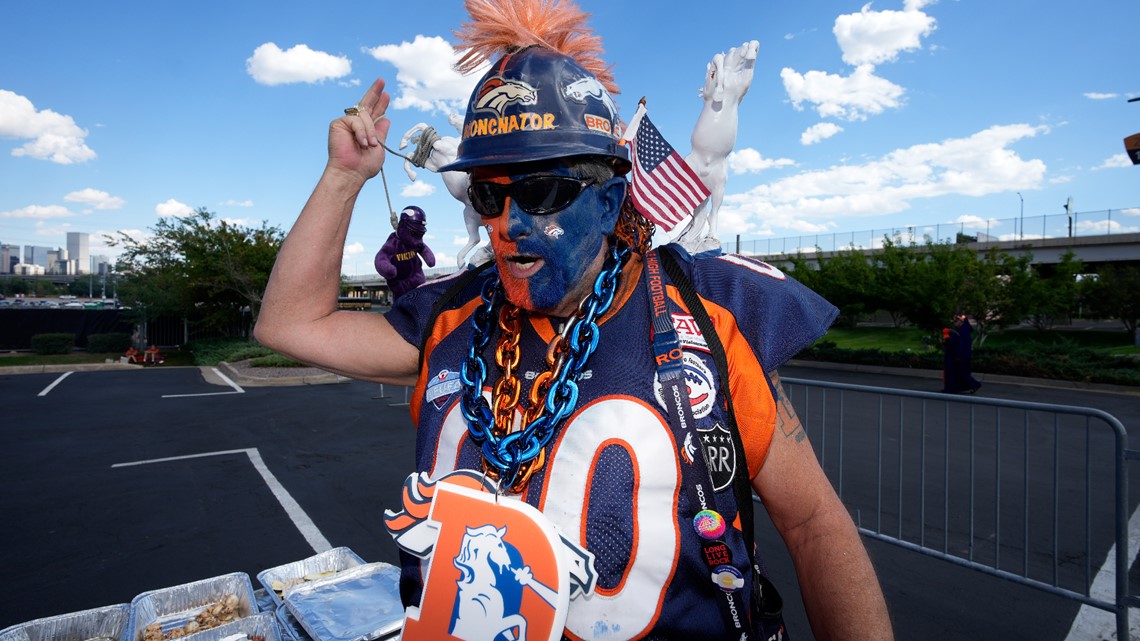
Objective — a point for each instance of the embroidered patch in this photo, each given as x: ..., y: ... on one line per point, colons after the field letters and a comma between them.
x: 720, y: 453
x: 698, y: 382
x: 441, y: 387
x: 688, y: 333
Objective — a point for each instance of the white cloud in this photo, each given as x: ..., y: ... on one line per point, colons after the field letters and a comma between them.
x: 425, y: 77
x: 851, y: 97
x: 1103, y: 227
x: 236, y: 222
x: 54, y: 230
x: 238, y: 203
x: 875, y: 37
x: 970, y: 221
x: 750, y: 161
x: 54, y: 136
x: 38, y: 211
x: 269, y: 65
x: 818, y: 132
x: 1113, y: 162
x: 1093, y: 95
x: 352, y: 249
x: 417, y: 189
x: 1131, y: 211
x: 95, y: 198
x: 173, y: 208
x: 973, y: 166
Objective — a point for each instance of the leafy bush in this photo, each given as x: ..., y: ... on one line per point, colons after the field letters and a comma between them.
x: 108, y: 343
x: 214, y: 351
x: 61, y: 343
x: 1061, y: 361
x: 274, y: 360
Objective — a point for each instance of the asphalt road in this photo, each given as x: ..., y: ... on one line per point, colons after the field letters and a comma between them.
x: 199, y: 495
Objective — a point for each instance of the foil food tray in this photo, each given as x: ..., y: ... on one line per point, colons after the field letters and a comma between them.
x: 108, y: 623
x: 334, y: 560
x: 263, y: 625
x: 173, y: 607
x: 358, y: 604
x: 290, y: 629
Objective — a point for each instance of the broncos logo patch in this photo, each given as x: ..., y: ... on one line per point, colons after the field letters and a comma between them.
x: 496, y: 94
x: 584, y: 88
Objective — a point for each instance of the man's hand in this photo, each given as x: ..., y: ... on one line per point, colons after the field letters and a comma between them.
x: 356, y: 141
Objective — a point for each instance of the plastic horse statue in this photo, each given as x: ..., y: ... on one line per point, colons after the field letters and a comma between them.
x: 443, y: 150
x: 487, y: 605
x: 726, y: 81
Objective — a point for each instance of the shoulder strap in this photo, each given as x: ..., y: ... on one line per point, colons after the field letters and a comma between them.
x: 451, y: 292
x: 741, y: 489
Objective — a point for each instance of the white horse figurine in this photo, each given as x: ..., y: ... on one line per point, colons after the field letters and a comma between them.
x: 443, y: 151
x: 480, y: 612
x: 726, y: 81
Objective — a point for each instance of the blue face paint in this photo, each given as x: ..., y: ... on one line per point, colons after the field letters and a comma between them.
x: 543, y: 270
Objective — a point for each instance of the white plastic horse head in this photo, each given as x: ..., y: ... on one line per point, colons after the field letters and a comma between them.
x: 444, y: 151
x: 727, y: 79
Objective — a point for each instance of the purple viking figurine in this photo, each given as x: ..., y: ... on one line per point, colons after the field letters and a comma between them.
x: 398, y: 261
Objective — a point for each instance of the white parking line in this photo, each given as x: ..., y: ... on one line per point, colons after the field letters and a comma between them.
x: 54, y: 383
x: 300, y: 519
x: 1094, y: 623
x: 237, y: 388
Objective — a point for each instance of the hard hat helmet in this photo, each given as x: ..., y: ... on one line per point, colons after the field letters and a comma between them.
x: 538, y: 104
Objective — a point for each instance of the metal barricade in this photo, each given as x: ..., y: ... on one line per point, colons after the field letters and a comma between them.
x: 1018, y: 490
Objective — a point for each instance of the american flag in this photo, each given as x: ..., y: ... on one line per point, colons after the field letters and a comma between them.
x: 663, y: 187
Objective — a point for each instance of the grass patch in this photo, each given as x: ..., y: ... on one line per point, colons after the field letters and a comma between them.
x: 231, y: 350
x: 26, y: 358
x: 903, y: 339
x: 274, y: 360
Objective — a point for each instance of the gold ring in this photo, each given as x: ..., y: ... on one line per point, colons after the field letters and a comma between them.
x: 353, y: 110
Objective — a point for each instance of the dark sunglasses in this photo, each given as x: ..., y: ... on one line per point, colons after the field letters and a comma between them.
x: 537, y: 195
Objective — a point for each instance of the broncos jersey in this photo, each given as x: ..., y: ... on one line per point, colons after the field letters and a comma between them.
x: 616, y: 470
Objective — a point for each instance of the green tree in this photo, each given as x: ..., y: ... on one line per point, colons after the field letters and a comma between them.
x: 197, y: 266
x: 895, y: 266
x: 1054, y: 293
x: 938, y: 286
x: 1115, y: 293
x: 847, y: 279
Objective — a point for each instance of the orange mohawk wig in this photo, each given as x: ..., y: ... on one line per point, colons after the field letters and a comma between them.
x: 499, y: 27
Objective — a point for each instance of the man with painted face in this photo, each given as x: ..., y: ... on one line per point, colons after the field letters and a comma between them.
x: 549, y: 370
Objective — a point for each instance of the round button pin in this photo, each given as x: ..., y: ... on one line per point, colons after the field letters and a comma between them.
x: 708, y: 524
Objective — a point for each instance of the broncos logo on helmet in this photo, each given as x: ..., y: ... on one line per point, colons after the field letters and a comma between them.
x: 496, y: 94
x: 589, y: 87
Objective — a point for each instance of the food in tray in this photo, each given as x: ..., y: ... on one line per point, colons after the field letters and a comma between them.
x: 279, y: 586
x: 211, y: 616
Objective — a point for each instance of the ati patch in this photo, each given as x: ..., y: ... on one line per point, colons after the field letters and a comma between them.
x: 441, y: 387
x: 688, y: 333
x: 720, y: 453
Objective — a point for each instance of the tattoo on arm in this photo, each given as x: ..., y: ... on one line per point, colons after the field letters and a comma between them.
x: 786, y: 420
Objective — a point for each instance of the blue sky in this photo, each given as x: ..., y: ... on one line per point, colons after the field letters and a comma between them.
x: 860, y: 116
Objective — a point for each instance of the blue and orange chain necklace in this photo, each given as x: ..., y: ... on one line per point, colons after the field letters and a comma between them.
x: 512, y: 456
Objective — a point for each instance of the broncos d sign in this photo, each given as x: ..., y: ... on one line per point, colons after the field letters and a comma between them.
x: 497, y: 567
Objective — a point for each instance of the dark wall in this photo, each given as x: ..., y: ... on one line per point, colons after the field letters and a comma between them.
x: 17, y: 326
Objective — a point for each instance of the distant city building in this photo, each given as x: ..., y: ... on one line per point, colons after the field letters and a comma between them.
x: 77, y: 243
x: 24, y: 269
x: 103, y: 264
x: 59, y: 263
x: 9, y: 256
x: 36, y: 255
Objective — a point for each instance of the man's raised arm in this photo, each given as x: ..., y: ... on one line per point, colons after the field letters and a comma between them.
x: 299, y: 316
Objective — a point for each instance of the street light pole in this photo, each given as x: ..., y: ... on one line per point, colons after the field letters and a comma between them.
x: 1021, y: 235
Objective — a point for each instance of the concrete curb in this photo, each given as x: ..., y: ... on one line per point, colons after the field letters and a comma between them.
x: 981, y: 376
x: 245, y: 379
x: 59, y: 369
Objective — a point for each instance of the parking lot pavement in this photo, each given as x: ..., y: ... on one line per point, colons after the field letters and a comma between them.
x: 119, y: 482
x: 84, y: 530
